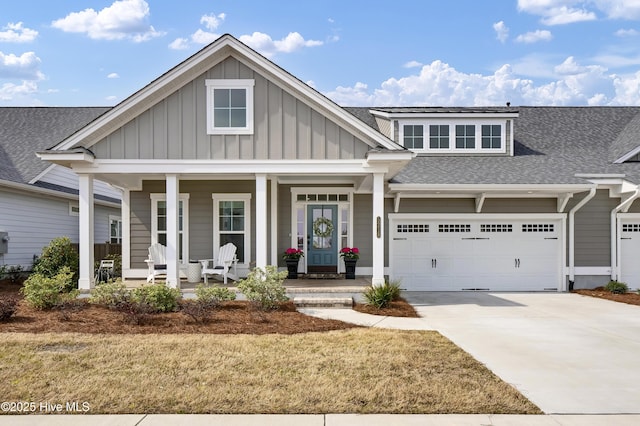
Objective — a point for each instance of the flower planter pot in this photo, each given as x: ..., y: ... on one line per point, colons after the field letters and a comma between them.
x: 350, y: 268
x: 292, y: 269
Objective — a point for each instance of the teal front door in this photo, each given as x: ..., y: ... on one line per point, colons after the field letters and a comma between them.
x: 322, y: 230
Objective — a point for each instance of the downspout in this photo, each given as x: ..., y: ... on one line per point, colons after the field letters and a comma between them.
x: 572, y: 235
x: 614, y: 231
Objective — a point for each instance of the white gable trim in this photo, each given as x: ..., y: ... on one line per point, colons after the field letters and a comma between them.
x: 628, y: 155
x: 199, y: 63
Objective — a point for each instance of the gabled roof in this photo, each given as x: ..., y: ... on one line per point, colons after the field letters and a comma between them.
x: 25, y: 130
x: 199, y: 63
x: 627, y: 144
x: 553, y: 145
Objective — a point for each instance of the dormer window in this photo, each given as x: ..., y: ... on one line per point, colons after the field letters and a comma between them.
x: 230, y: 107
x: 456, y: 136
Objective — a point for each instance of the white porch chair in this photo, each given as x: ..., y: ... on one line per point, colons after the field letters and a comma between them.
x: 224, y: 265
x: 105, y: 271
x: 157, y: 261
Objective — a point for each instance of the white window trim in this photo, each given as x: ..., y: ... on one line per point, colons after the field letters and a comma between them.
x: 119, y: 219
x: 185, y: 221
x: 452, y: 135
x: 246, y: 197
x: 246, y: 84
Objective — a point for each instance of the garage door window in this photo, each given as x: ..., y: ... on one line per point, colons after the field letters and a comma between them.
x: 538, y: 227
x: 496, y: 227
x: 631, y: 227
x: 412, y: 228
x: 454, y: 228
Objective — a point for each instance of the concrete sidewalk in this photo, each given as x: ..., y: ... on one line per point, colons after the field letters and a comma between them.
x: 321, y: 420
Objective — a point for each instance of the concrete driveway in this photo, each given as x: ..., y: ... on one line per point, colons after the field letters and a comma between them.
x: 565, y: 352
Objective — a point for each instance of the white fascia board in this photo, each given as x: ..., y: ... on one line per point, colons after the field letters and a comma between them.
x: 628, y: 155
x: 65, y: 157
x: 42, y: 174
x: 471, y: 216
x: 23, y: 187
x: 550, y: 188
x: 221, y: 167
x: 444, y: 115
x: 405, y: 155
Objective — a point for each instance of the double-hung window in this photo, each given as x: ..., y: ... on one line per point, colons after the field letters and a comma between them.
x: 232, y: 223
x: 230, y: 107
x: 159, y: 223
x: 491, y: 136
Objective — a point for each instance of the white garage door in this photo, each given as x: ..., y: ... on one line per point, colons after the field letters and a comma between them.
x: 630, y: 251
x: 476, y: 254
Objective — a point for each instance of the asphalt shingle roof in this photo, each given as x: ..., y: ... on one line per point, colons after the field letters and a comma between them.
x: 26, y: 130
x: 552, y: 145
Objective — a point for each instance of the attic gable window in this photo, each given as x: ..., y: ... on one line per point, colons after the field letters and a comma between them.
x: 468, y: 136
x: 230, y: 107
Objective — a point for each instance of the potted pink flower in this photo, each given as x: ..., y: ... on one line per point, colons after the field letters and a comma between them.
x: 292, y: 256
x: 350, y: 255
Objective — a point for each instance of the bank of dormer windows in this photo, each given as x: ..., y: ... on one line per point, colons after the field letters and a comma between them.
x: 453, y: 137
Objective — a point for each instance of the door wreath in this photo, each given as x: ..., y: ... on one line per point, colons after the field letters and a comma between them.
x: 322, y: 227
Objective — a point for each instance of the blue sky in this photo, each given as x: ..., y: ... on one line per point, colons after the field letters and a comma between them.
x: 357, y: 52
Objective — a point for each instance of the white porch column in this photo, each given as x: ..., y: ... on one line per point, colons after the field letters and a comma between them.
x: 261, y: 220
x: 173, y: 200
x: 274, y: 220
x: 85, y: 203
x: 125, y: 214
x: 378, y: 230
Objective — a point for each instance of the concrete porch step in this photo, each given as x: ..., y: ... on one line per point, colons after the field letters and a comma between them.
x: 323, y: 302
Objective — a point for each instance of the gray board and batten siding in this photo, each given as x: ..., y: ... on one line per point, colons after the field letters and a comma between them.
x: 285, y: 127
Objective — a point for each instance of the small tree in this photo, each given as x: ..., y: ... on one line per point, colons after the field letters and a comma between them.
x: 58, y: 254
x: 264, y: 287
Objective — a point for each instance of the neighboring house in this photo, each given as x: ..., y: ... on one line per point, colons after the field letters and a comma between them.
x: 227, y: 146
x: 38, y: 200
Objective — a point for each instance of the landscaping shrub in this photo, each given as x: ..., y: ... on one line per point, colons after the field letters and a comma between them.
x: 381, y: 296
x: 214, y: 294
x: 42, y: 292
x: 264, y: 288
x: 158, y: 296
x: 110, y: 294
x: 58, y: 254
x: 201, y: 309
x: 13, y: 272
x: 616, y: 287
x: 8, y: 307
x: 136, y: 312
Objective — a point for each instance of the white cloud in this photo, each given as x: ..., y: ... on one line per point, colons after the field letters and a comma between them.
x: 17, y: 33
x: 557, y: 12
x: 264, y: 44
x: 212, y: 22
x: 113, y: 75
x: 534, y: 36
x: 412, y: 64
x: 111, y: 98
x: 620, y: 9
x: 502, y: 31
x: 440, y: 84
x: 627, y: 33
x: 124, y: 19
x: 201, y: 37
x: 24, y: 67
x: 10, y: 91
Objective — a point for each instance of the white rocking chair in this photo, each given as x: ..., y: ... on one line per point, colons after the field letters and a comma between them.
x: 224, y: 265
x: 157, y: 261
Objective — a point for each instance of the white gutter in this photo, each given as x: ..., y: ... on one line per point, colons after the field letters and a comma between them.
x: 572, y: 233
x: 615, y: 241
x: 22, y: 187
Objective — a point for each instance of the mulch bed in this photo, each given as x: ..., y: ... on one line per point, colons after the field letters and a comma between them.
x: 397, y: 308
x: 236, y: 317
x: 600, y: 292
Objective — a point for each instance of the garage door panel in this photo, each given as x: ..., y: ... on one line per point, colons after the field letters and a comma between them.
x: 630, y: 253
x: 505, y: 254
